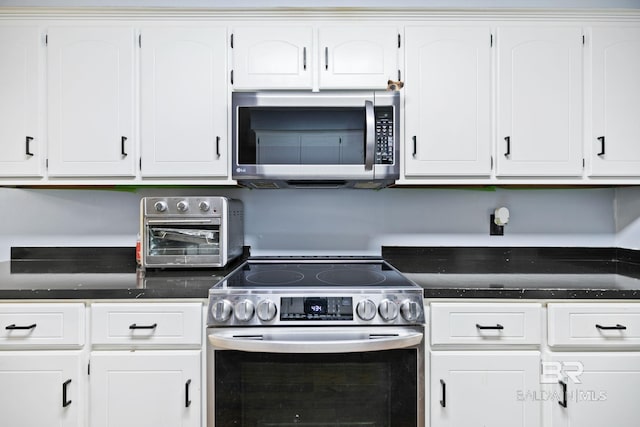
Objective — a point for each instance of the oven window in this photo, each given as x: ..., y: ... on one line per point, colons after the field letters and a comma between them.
x: 351, y: 389
x: 176, y: 240
x: 290, y: 136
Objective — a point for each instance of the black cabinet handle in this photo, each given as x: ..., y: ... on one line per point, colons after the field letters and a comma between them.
x: 326, y: 58
x: 563, y: 403
x: 508, y: 139
x: 618, y: 327
x: 187, y: 402
x: 122, y: 151
x: 218, y: 146
x: 27, y: 146
x: 601, y: 139
x: 415, y: 145
x: 496, y: 327
x: 65, y: 402
x: 443, y: 402
x: 14, y: 327
x: 304, y: 58
x: 134, y: 326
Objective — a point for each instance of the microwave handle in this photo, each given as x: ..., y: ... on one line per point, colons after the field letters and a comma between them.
x: 330, y: 344
x: 369, y: 136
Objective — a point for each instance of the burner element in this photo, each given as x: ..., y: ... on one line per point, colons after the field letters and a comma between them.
x: 275, y: 277
x: 351, y: 277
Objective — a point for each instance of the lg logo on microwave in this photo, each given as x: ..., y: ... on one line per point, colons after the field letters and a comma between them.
x: 241, y: 170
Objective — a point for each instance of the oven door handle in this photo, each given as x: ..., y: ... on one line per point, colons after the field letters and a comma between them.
x: 316, y: 342
x: 369, y: 136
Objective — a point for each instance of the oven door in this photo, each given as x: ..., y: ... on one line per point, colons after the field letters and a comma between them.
x: 183, y: 243
x: 311, y: 376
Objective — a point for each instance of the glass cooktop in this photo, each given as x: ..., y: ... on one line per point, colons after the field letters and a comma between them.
x: 292, y: 274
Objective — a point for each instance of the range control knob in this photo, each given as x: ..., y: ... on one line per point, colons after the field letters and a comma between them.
x: 160, y: 206
x: 410, y: 310
x: 366, y: 309
x: 266, y: 310
x: 183, y: 206
x: 221, y: 310
x: 204, y: 206
x: 388, y: 309
x: 244, y: 310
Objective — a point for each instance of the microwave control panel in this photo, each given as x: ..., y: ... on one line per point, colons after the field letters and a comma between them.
x: 384, y: 135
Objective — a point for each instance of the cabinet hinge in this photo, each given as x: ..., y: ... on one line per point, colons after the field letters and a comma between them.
x: 231, y: 40
x: 399, y: 40
x: 231, y: 76
x: 139, y: 40
x: 491, y: 40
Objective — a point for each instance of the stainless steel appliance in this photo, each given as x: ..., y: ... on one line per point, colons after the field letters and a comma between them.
x: 316, y: 342
x: 333, y: 139
x: 179, y: 232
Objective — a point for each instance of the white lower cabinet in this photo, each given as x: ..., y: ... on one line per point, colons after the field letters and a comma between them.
x: 147, y: 388
x: 485, y: 388
x: 593, y: 389
x: 41, y: 388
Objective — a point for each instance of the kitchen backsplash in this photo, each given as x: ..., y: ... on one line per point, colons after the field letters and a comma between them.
x: 281, y: 222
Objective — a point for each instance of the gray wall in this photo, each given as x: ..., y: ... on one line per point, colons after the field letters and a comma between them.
x: 280, y: 222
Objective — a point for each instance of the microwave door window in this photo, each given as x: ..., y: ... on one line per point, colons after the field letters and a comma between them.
x: 301, y: 136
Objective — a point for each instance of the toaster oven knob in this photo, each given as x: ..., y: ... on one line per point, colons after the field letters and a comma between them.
x: 388, y: 309
x: 183, y: 206
x: 266, y: 310
x: 244, y: 310
x: 204, y: 206
x: 366, y: 309
x: 221, y: 310
x: 410, y: 310
x: 160, y: 206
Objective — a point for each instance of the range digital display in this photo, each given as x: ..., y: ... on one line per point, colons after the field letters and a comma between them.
x: 316, y: 308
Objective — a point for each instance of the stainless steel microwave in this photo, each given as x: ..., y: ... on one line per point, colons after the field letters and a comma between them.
x: 327, y: 139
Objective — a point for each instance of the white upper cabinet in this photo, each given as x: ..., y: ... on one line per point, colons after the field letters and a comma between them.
x: 540, y: 101
x: 21, y: 146
x: 614, y: 143
x: 183, y: 102
x: 272, y: 57
x: 91, y: 101
x: 294, y: 57
x: 358, y: 57
x: 448, y: 101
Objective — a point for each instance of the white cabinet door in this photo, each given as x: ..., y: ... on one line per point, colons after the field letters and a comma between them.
x: 615, y: 139
x: 91, y: 99
x: 272, y: 57
x: 485, y: 388
x: 145, y: 389
x: 184, y: 102
x: 539, y: 101
x: 21, y: 89
x: 41, y: 388
x: 358, y: 57
x: 448, y: 101
x: 601, y: 390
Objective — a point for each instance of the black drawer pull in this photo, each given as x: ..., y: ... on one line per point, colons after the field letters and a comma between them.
x: 443, y: 402
x: 601, y: 139
x: 563, y: 403
x: 122, y: 147
x: 134, y: 326
x: 218, y: 146
x: 618, y: 327
x: 14, y: 327
x: 508, y: 139
x: 65, y: 402
x: 498, y: 327
x: 415, y: 145
x: 187, y: 402
x: 28, y: 146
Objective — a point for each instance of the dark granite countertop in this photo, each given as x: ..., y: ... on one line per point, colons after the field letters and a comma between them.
x: 470, y: 272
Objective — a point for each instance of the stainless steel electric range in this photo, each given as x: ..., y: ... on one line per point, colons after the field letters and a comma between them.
x: 316, y: 342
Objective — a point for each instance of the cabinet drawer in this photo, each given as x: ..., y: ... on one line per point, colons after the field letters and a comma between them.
x: 485, y: 323
x: 594, y: 325
x: 42, y: 325
x: 146, y: 324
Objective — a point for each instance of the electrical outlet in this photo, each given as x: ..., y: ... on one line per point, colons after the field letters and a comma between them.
x: 495, y: 229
